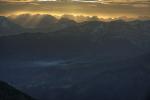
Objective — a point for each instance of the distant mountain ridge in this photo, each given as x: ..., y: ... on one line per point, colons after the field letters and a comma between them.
x: 65, y: 33
x: 47, y: 23
x: 42, y: 23
x: 7, y: 27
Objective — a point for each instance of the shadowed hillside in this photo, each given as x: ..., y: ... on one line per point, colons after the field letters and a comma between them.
x: 8, y: 92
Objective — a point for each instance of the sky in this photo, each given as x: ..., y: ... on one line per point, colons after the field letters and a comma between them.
x: 100, y: 8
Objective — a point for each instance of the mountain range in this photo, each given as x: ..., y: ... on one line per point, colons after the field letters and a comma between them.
x: 121, y: 37
x: 65, y: 60
x: 47, y: 23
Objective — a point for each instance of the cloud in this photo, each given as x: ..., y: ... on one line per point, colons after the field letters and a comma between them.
x: 121, y: 1
x: 125, y: 1
x: 77, y: 8
x: 17, y: 0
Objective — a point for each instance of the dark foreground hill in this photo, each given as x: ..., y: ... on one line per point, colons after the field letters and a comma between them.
x: 8, y: 92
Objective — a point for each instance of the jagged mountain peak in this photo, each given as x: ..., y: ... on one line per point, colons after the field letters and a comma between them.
x: 8, y: 27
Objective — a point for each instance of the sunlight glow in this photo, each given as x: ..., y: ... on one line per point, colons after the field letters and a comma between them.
x: 60, y: 14
x: 47, y: 0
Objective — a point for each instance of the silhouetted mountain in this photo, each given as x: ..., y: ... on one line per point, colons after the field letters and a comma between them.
x: 92, y: 60
x: 123, y: 38
x: 8, y: 92
x: 64, y: 23
x: 34, y: 21
x: 42, y: 23
x: 48, y: 23
x: 7, y: 27
x: 58, y: 25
